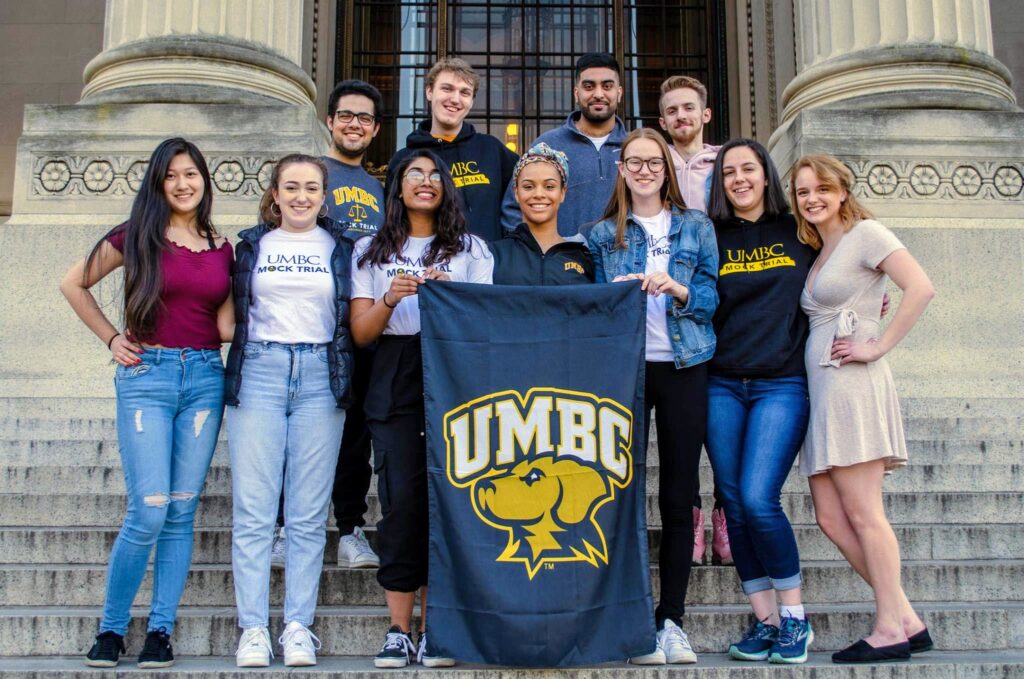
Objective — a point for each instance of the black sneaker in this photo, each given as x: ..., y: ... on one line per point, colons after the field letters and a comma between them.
x: 156, y: 652
x: 105, y: 652
x: 397, y: 651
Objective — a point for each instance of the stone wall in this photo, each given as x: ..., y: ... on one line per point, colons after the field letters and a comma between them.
x: 44, y: 45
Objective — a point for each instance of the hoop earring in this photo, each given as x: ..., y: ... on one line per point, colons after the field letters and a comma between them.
x: 276, y: 213
x: 323, y: 211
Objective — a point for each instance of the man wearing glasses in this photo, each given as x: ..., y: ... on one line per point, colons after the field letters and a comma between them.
x: 481, y: 166
x: 354, y: 197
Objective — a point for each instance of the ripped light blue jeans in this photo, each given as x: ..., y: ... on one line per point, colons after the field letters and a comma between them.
x: 169, y: 410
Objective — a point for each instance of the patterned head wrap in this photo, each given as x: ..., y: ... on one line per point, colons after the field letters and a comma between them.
x: 542, y: 153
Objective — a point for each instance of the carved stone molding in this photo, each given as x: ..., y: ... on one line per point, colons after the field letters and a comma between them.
x: 942, y: 180
x: 114, y: 176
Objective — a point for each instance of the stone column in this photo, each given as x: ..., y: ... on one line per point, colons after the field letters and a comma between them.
x: 908, y: 95
x: 902, y: 54
x: 227, y: 75
x: 231, y: 51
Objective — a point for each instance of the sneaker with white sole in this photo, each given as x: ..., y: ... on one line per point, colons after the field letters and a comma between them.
x: 655, y: 657
x: 278, y: 549
x: 300, y: 645
x: 354, y: 551
x: 674, y: 642
x: 429, y: 659
x: 397, y: 651
x: 254, y: 648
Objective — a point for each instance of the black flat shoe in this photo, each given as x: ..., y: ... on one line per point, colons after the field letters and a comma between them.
x: 863, y: 652
x: 921, y: 642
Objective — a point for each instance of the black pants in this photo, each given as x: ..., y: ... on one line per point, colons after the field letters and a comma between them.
x: 352, y: 479
x: 353, y: 475
x: 680, y: 400
x: 394, y: 414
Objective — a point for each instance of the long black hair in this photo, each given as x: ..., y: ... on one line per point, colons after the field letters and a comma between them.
x: 145, y: 237
x: 719, y: 207
x: 450, y: 233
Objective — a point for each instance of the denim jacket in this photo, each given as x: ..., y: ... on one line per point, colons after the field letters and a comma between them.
x: 693, y: 261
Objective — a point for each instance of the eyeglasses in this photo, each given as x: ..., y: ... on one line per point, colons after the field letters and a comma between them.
x: 345, y: 117
x: 634, y: 164
x: 417, y: 177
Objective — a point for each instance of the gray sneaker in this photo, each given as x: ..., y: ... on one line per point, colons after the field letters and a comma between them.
x: 278, y: 549
x: 355, y: 552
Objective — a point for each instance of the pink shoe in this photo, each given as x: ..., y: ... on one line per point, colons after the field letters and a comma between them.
x: 699, y: 545
x: 721, y: 552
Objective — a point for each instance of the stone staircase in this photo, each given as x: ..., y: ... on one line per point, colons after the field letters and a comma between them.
x: 956, y: 510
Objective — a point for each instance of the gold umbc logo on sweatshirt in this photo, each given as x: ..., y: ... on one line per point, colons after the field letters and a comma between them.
x: 758, y: 259
x: 538, y: 467
x: 467, y: 173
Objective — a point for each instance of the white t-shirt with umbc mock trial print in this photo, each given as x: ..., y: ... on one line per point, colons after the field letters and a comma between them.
x: 473, y: 265
x: 293, y: 288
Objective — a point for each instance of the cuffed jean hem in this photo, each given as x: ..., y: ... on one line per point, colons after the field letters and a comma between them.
x: 255, y: 625
x: 786, y: 584
x: 761, y: 584
x: 755, y: 586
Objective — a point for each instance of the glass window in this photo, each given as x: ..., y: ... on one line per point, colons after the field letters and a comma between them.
x: 525, y: 51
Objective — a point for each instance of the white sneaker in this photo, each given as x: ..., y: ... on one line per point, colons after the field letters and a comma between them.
x: 431, y: 660
x: 300, y: 645
x: 254, y: 648
x: 278, y: 549
x: 675, y: 644
x: 355, y: 552
x: 655, y: 657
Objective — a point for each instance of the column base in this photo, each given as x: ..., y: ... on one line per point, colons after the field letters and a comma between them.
x: 78, y: 168
x: 951, y: 185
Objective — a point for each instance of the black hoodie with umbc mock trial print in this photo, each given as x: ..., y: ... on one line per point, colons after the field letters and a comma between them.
x: 481, y: 168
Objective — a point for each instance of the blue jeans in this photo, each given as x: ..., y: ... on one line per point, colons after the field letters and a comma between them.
x: 169, y: 410
x: 286, y: 430
x: 755, y: 429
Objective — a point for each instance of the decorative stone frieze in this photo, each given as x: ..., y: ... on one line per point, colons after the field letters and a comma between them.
x: 879, y: 178
x: 79, y: 175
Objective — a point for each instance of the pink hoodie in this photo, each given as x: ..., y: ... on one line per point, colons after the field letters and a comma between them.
x: 692, y: 174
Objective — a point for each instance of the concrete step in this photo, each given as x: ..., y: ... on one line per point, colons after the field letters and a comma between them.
x: 41, y: 479
x: 916, y: 428
x: 92, y: 509
x: 951, y: 406
x: 932, y: 665
x: 825, y: 582
x: 87, y: 452
x: 27, y: 545
x: 350, y: 630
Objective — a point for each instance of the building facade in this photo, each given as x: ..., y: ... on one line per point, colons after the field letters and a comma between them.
x: 913, y: 94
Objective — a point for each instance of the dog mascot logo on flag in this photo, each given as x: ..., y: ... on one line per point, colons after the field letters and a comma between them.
x: 539, y: 467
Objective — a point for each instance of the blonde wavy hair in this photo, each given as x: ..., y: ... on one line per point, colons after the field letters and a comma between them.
x: 834, y: 174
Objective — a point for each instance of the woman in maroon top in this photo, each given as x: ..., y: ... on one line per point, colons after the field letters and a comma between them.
x: 169, y: 382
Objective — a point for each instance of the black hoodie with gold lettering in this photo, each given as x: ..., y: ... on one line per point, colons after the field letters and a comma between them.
x: 481, y: 168
x: 760, y: 327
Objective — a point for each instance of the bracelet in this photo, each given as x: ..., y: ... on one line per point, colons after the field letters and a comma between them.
x: 111, y: 340
x: 385, y: 300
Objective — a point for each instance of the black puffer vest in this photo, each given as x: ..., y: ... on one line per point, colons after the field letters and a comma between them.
x: 339, y: 358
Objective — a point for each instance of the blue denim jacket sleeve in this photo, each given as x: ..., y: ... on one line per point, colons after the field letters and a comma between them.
x: 703, y: 286
x: 595, y: 251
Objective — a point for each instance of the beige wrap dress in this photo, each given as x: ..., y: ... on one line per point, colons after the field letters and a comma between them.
x: 855, y: 413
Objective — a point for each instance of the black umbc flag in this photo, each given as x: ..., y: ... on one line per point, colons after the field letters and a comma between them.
x: 536, y: 469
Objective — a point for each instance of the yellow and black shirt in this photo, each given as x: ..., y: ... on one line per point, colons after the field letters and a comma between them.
x: 481, y: 168
x: 760, y: 328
